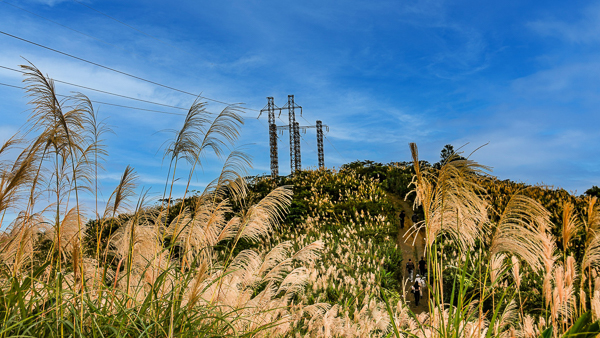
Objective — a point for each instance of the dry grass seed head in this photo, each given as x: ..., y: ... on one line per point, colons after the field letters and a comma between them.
x: 515, y: 271
x: 15, y: 178
x: 570, y: 224
x: 62, y: 124
x: 591, y: 256
x: 453, y: 201
x: 18, y: 244
x: 187, y: 139
x: 593, y: 215
x: 528, y: 327
x: 596, y: 305
x: 520, y: 231
x: 119, y: 198
x: 261, y: 218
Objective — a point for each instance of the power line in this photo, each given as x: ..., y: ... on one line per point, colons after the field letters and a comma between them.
x: 101, y: 91
x: 336, y: 149
x: 309, y: 147
x: 5, y: 84
x: 110, y: 93
x: 106, y: 103
x: 305, y: 119
x: 96, y: 64
x: 115, y: 70
x: 262, y: 124
x: 110, y: 44
x: 321, y: 149
x: 119, y: 95
x: 136, y: 108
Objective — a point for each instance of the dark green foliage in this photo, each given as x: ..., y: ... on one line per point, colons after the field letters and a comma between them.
x: 593, y: 191
x: 103, y: 229
x: 393, y: 265
x: 260, y: 186
x: 447, y: 153
x: 584, y: 327
x: 368, y: 169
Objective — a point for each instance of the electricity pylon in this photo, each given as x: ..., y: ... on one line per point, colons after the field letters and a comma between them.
x: 270, y: 109
x: 294, y: 129
x: 295, y: 160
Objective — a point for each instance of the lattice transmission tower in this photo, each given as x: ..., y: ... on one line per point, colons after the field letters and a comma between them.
x: 320, y: 143
x: 294, y: 130
x: 270, y: 109
x: 295, y: 157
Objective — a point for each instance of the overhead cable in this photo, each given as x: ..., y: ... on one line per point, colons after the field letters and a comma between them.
x: 115, y: 70
x: 108, y: 43
x: 336, y: 149
x: 101, y: 91
x: 106, y: 103
x: 309, y: 147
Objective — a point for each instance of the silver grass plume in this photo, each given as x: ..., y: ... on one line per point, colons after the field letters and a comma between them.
x: 520, y: 231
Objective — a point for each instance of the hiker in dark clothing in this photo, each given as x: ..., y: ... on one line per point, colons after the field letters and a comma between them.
x: 410, y: 267
x: 422, y: 267
x: 416, y: 290
x: 414, y: 218
x: 401, y: 216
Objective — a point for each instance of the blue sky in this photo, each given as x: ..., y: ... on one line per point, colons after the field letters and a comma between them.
x: 520, y: 76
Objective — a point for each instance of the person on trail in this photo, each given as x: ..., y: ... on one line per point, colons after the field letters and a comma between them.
x: 410, y: 268
x: 421, y: 281
x: 416, y: 290
x: 401, y: 216
x: 414, y: 218
x: 422, y: 267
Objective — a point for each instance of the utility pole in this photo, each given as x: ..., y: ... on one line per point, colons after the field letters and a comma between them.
x: 270, y: 109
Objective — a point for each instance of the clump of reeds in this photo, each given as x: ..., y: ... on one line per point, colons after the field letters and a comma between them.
x: 457, y: 215
x: 166, y: 270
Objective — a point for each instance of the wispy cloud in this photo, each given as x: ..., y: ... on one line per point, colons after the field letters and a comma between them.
x: 380, y: 74
x: 584, y: 29
x: 48, y: 2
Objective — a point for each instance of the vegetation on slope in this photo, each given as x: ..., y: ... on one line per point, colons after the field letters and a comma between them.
x: 504, y: 259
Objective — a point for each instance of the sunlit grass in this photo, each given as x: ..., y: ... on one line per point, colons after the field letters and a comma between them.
x: 504, y: 260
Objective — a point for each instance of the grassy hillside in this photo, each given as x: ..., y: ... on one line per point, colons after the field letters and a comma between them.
x: 352, y: 216
x: 317, y: 254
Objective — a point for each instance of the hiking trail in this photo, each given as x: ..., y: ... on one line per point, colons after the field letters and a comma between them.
x: 409, y: 251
